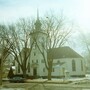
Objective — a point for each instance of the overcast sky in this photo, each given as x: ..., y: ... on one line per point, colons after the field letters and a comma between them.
x: 77, y: 10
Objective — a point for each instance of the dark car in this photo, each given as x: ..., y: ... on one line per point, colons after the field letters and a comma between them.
x: 17, y: 79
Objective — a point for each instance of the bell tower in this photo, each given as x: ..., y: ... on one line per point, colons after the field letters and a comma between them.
x: 39, y: 39
x: 38, y: 34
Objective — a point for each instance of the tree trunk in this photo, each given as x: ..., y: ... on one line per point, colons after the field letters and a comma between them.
x: 0, y: 74
x: 50, y: 70
x: 24, y: 73
x: 49, y: 74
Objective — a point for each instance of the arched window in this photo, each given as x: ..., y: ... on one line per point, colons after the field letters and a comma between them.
x: 28, y: 66
x: 73, y: 65
x: 81, y: 65
x: 18, y: 68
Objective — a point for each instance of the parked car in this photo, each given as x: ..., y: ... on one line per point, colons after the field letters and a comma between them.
x: 17, y: 79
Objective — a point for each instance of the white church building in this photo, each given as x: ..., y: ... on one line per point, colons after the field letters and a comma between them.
x: 66, y: 60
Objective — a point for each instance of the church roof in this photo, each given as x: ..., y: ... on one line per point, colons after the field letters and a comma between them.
x: 62, y: 52
x: 38, y: 23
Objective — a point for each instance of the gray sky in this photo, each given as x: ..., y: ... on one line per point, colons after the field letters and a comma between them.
x: 77, y: 10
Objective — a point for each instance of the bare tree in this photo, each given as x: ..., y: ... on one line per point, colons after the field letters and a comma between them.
x: 21, y: 48
x: 4, y: 48
x: 85, y: 42
x: 57, y: 35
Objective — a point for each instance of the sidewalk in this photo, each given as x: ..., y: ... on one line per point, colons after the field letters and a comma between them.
x: 59, y: 81
x: 55, y: 81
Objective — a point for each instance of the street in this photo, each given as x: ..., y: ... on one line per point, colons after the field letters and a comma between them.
x: 54, y: 84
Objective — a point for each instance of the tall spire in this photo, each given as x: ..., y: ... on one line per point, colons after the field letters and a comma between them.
x: 37, y: 23
x: 37, y: 14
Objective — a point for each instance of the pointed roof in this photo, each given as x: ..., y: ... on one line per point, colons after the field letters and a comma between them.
x: 37, y: 14
x: 62, y: 52
x: 38, y: 23
x: 37, y: 30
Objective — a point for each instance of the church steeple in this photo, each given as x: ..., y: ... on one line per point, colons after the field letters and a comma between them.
x: 37, y: 23
x: 37, y: 14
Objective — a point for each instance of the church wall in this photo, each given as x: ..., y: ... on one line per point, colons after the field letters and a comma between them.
x: 60, y: 70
